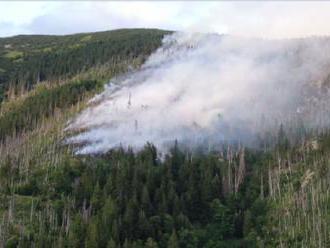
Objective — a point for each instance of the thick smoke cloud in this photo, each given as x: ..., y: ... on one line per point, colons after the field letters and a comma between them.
x: 205, y: 89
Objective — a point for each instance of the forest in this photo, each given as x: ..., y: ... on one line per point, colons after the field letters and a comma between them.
x: 28, y: 59
x: 269, y: 196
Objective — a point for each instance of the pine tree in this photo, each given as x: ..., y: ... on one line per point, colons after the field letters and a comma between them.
x: 77, y: 232
x: 145, y: 200
x: 111, y: 244
x: 173, y: 241
x: 150, y: 243
x: 92, y: 236
x: 97, y: 197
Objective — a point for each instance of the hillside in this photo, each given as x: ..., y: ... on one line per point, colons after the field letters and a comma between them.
x: 273, y: 195
x: 28, y: 59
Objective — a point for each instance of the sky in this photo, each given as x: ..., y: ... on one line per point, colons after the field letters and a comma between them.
x: 270, y: 19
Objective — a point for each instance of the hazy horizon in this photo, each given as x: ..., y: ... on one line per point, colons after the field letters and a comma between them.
x: 269, y: 19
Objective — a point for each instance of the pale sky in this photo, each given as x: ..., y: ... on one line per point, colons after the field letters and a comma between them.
x: 262, y: 19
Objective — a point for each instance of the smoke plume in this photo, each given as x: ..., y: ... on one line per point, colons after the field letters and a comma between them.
x: 206, y: 89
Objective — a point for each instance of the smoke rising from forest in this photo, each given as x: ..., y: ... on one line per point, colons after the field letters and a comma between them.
x: 208, y: 88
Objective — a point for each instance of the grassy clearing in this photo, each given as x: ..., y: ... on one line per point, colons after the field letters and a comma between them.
x: 14, y: 55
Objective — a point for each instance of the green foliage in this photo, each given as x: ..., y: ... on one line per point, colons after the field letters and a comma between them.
x: 52, y: 198
x: 222, y: 225
x: 137, y: 200
x: 173, y: 241
x: 125, y: 198
x: 13, y: 55
x: 54, y: 58
x: 27, y: 114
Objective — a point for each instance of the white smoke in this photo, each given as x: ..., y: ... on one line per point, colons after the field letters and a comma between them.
x: 205, y: 88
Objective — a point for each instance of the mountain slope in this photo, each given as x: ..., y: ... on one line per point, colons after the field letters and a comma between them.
x: 28, y: 59
x: 275, y: 196
x: 32, y: 121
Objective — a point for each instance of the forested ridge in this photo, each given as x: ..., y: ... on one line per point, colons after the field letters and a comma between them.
x: 28, y: 59
x: 275, y: 195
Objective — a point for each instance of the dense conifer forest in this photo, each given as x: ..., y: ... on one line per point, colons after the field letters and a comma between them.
x: 28, y: 59
x: 273, y: 196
